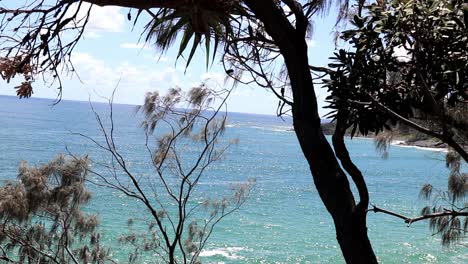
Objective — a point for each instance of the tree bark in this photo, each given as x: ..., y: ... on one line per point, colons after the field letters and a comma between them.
x: 330, y: 180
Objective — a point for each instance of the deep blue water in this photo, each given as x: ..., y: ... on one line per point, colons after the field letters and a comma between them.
x: 283, y: 221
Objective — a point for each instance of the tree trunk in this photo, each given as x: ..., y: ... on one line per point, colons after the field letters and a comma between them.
x: 171, y: 254
x: 330, y: 180
x: 335, y: 192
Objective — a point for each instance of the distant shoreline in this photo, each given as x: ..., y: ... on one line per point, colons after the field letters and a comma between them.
x: 402, y: 137
x: 422, y: 144
x: 428, y: 145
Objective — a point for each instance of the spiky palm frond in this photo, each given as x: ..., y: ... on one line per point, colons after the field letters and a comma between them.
x: 207, y: 22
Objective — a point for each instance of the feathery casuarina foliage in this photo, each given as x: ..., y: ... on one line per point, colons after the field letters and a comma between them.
x: 182, y: 132
x: 41, y: 217
x: 452, y: 228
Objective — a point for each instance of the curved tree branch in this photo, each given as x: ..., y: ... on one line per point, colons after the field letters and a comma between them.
x: 343, y: 155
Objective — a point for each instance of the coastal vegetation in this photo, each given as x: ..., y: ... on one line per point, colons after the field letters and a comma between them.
x: 42, y: 214
x: 182, y: 132
x: 42, y: 218
x: 406, y: 63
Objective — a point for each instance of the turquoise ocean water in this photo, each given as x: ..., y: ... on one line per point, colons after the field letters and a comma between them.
x: 283, y: 221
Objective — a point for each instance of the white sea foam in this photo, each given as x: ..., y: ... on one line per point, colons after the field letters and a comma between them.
x: 401, y: 143
x: 227, y: 252
x: 270, y: 226
x: 406, y: 244
x: 277, y: 128
x: 283, y: 129
x: 274, y: 128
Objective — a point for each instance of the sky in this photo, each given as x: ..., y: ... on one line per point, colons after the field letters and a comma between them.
x: 110, y: 56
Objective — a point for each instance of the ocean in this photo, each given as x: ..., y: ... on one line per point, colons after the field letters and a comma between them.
x: 283, y: 221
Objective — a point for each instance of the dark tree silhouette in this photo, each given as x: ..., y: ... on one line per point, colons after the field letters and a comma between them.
x: 408, y: 64
x: 259, y: 41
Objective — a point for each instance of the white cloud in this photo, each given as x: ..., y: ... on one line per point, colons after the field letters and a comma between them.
x: 91, y: 35
x: 133, y: 46
x: 99, y: 78
x: 311, y: 43
x: 101, y: 19
x: 213, y: 77
x: 106, y: 19
x: 162, y: 59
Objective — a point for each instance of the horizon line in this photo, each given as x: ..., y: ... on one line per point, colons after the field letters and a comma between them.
x: 115, y: 103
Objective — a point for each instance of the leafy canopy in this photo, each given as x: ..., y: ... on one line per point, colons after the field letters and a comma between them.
x: 402, y: 55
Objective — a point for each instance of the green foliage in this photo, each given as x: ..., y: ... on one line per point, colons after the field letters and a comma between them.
x: 408, y: 60
x: 402, y: 54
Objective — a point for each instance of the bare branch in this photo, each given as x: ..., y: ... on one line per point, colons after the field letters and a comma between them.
x: 410, y: 220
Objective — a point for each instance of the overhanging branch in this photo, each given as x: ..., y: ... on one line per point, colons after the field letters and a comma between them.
x: 148, y: 4
x: 447, y: 139
x: 410, y: 220
x: 140, y: 4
